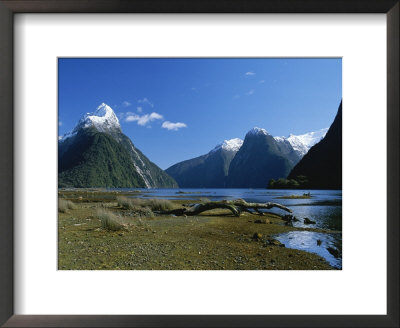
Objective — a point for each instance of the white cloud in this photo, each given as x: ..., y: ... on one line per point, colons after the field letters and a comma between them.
x: 132, y: 118
x: 126, y: 103
x: 249, y: 74
x: 143, y: 119
x: 173, y: 126
x: 139, y: 109
x: 60, y: 137
x: 236, y: 96
x: 251, y: 92
x: 145, y: 101
x: 60, y: 123
x: 261, y: 81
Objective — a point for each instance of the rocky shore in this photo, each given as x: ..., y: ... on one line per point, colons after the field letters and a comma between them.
x: 212, y: 240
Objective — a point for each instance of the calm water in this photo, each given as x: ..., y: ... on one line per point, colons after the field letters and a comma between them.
x: 324, y: 207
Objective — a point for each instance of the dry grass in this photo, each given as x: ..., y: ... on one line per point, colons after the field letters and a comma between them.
x: 128, y: 203
x: 160, y: 204
x: 65, y: 205
x: 152, y: 204
x: 142, y: 212
x: 110, y: 221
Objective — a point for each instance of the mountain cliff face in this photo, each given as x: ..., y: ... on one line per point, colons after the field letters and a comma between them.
x: 97, y: 154
x: 322, y: 165
x: 209, y: 170
x: 260, y: 159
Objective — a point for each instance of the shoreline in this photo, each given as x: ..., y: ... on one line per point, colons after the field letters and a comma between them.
x: 214, y: 240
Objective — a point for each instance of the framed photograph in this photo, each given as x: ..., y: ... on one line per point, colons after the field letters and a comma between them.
x: 199, y: 164
x: 139, y: 168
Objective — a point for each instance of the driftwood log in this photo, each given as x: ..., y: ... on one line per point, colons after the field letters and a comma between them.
x: 236, y: 206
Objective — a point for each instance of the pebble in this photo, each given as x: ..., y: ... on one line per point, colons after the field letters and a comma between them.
x: 257, y: 236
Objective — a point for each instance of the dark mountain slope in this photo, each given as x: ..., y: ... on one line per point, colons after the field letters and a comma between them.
x: 322, y: 165
x: 260, y: 159
x: 156, y: 177
x: 95, y: 159
x: 207, y: 171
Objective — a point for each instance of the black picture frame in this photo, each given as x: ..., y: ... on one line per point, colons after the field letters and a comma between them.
x: 10, y: 7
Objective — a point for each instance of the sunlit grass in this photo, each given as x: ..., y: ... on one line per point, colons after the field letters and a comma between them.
x: 152, y: 204
x: 110, y: 221
x: 65, y: 205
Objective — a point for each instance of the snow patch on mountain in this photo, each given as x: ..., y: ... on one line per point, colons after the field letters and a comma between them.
x: 103, y: 119
x: 257, y: 131
x: 302, y: 143
x: 230, y: 145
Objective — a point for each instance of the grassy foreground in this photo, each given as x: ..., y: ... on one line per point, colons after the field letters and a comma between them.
x: 97, y: 230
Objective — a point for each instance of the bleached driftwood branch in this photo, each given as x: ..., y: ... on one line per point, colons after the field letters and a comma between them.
x: 236, y: 206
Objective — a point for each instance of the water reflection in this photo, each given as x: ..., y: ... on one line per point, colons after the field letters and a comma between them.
x: 326, y: 217
x: 308, y: 241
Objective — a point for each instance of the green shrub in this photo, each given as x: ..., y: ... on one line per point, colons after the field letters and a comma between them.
x: 65, y: 205
x: 110, y: 221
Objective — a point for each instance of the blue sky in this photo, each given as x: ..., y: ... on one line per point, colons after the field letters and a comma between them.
x: 176, y: 109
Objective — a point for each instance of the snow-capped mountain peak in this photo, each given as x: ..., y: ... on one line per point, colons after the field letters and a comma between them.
x: 103, y: 119
x: 302, y: 143
x: 257, y: 131
x: 230, y: 145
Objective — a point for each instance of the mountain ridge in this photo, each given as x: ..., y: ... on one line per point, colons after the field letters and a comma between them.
x: 259, y: 159
x: 206, y: 171
x: 196, y: 172
x: 91, y: 148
